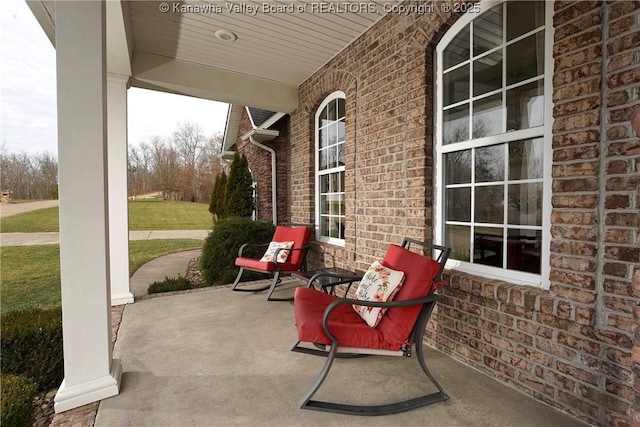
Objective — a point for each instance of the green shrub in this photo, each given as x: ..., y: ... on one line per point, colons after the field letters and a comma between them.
x: 31, y: 342
x: 16, y: 405
x: 170, y: 284
x: 216, y: 205
x: 221, y: 248
x: 238, y: 198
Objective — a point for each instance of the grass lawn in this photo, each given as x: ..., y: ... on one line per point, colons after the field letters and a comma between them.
x: 143, y: 215
x: 31, y: 274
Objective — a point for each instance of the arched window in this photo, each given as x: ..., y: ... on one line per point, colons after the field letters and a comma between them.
x: 329, y: 149
x: 493, y: 140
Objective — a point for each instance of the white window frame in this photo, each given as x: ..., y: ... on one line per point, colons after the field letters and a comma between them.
x: 332, y: 97
x: 518, y: 277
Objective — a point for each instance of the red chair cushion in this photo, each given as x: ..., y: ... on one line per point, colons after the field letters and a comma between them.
x: 299, y: 235
x: 344, y: 323
x: 419, y: 271
x: 348, y: 327
x: 255, y: 264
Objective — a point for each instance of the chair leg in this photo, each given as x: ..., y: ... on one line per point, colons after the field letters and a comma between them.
x: 423, y: 365
x: 387, y: 409
x: 235, y: 282
x: 246, y: 289
x: 306, y: 402
x: 320, y: 351
x: 272, y: 287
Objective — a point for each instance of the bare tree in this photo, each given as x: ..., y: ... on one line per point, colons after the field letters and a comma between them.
x: 182, y: 168
x: 29, y: 176
x: 166, y: 168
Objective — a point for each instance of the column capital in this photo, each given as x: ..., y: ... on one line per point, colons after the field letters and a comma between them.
x: 119, y: 78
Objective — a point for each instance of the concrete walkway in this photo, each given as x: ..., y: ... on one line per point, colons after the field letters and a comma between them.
x: 171, y: 265
x: 50, y: 238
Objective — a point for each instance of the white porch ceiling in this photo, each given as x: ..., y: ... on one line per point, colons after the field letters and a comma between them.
x: 275, y: 51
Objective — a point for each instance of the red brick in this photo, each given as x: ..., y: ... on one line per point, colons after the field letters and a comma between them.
x: 622, y: 131
x: 580, y: 137
x: 574, y: 248
x: 581, y: 24
x: 585, y: 315
x: 617, y: 235
x: 576, y: 153
x: 620, y: 253
x: 574, y: 90
x: 576, y: 202
x: 567, y: 11
x: 572, y: 217
x: 615, y: 99
x: 619, y: 61
x: 621, y: 26
x: 617, y: 201
x: 621, y: 8
x: 576, y: 106
x: 615, y: 269
x: 618, y: 167
x: 622, y: 114
x: 621, y: 219
x: 625, y: 148
x: 620, y: 44
x: 575, y: 233
x: 585, y: 120
x: 574, y: 185
x: 581, y: 57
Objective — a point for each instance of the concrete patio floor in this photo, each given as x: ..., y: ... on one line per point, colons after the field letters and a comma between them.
x: 220, y: 358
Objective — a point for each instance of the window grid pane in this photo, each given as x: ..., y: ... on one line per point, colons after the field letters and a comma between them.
x: 331, y: 161
x: 493, y: 83
x: 502, y: 204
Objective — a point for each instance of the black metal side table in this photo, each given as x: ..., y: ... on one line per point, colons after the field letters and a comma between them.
x: 328, y: 278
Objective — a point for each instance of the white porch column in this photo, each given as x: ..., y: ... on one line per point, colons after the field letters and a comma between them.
x: 90, y: 372
x: 118, y: 210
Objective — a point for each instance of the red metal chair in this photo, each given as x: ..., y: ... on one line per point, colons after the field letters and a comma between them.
x: 296, y: 260
x: 335, y: 329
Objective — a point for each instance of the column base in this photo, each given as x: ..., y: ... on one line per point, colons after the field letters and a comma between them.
x: 92, y: 391
x: 126, y: 298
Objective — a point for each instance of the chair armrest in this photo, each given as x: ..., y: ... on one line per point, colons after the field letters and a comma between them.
x: 431, y: 297
x: 248, y: 245
x: 301, y: 248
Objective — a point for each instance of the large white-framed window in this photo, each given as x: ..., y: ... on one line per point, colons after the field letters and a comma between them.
x: 493, y: 141
x: 329, y: 171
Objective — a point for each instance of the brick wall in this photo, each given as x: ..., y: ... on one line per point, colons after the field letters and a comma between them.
x: 259, y: 161
x: 569, y: 346
x: 636, y: 285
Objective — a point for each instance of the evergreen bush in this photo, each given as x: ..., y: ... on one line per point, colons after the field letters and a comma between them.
x: 217, y: 203
x: 221, y: 248
x: 170, y: 284
x: 16, y: 405
x: 31, y: 342
x: 238, y: 200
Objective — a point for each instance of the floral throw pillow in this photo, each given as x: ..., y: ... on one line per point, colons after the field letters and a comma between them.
x: 269, y: 255
x: 378, y: 284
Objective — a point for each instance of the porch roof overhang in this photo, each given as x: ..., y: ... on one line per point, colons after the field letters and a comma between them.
x: 241, y: 53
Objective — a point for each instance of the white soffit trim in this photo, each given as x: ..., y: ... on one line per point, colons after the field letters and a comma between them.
x: 234, y: 116
x: 212, y: 83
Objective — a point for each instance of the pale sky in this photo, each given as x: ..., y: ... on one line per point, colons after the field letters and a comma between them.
x: 28, y: 93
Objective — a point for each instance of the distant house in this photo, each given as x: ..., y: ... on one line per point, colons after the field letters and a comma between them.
x: 263, y: 137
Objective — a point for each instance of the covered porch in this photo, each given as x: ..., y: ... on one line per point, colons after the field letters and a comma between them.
x: 216, y: 357
x: 218, y: 51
